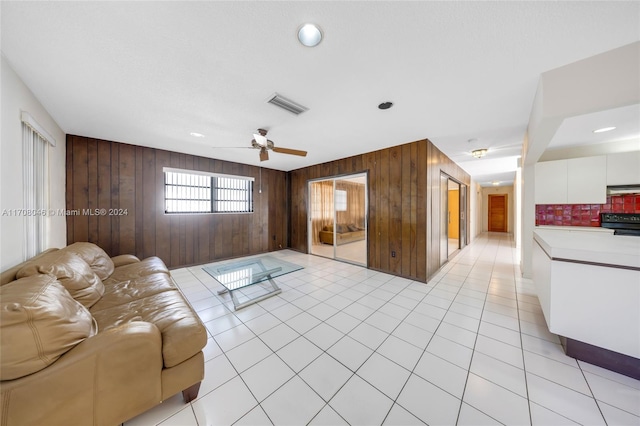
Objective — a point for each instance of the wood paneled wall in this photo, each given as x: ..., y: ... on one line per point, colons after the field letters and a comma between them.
x: 111, y: 175
x: 404, y: 205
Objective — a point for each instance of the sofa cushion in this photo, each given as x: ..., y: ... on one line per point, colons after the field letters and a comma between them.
x: 127, y: 291
x: 98, y: 260
x: 341, y: 228
x: 183, y: 335
x: 352, y: 227
x: 39, y: 321
x: 148, y: 266
x: 73, y: 272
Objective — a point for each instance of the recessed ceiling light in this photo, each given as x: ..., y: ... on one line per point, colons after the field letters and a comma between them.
x: 196, y: 135
x: 310, y: 35
x: 495, y: 183
x: 604, y: 129
x: 479, y: 153
x: 385, y: 105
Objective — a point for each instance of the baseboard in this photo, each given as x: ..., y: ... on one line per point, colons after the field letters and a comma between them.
x: 614, y: 361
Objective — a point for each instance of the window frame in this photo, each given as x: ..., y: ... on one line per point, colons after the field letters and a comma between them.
x: 36, y: 184
x: 231, y: 184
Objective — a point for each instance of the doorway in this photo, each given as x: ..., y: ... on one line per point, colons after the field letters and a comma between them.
x: 498, y: 213
x: 338, y: 218
x: 453, y: 207
x: 453, y: 224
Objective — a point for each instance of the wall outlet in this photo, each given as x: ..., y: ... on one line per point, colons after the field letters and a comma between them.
x: 393, y: 254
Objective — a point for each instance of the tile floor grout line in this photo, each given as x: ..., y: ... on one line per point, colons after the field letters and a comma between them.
x: 477, y: 257
x: 473, y: 352
x: 522, y: 350
x: 295, y: 373
x: 592, y: 394
x: 374, y: 351
x: 425, y: 350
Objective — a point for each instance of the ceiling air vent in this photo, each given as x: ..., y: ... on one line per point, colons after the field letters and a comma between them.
x: 286, y: 104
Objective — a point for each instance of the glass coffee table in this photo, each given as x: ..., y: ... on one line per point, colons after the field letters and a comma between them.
x: 239, y: 275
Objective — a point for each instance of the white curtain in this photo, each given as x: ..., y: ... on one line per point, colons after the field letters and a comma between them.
x: 35, y: 190
x: 321, y: 207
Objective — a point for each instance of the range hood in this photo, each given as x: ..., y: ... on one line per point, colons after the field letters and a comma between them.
x: 623, y: 189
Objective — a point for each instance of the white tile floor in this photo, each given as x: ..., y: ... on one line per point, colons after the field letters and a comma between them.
x: 345, y: 345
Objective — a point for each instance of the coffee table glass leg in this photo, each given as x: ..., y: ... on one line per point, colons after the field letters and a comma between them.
x: 234, y: 299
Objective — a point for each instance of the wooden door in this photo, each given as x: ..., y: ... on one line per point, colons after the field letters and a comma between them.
x: 498, y: 213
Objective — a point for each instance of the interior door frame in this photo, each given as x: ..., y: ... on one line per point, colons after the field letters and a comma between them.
x: 463, y: 215
x: 444, y: 215
x: 333, y: 179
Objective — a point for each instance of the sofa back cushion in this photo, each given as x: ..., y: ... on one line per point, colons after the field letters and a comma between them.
x: 98, y: 260
x: 341, y: 228
x: 39, y: 322
x: 73, y: 272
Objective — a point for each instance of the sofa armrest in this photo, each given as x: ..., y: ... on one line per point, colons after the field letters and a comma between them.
x: 326, y: 237
x: 124, y: 259
x: 106, y: 379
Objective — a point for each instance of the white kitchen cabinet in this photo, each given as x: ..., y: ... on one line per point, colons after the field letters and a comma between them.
x: 623, y: 168
x: 573, y: 181
x: 587, y: 180
x: 551, y: 182
x: 587, y: 284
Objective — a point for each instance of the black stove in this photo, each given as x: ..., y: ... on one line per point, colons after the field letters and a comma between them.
x: 622, y: 223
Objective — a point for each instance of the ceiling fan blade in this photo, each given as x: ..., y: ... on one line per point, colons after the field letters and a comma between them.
x: 264, y: 155
x: 290, y: 151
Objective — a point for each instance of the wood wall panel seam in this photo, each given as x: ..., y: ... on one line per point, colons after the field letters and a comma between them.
x: 402, y: 182
x: 134, y: 182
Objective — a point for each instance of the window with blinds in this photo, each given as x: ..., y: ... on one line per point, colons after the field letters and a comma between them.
x: 200, y: 192
x: 35, y: 144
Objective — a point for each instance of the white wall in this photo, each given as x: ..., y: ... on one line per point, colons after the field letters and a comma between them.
x: 498, y: 190
x: 16, y: 97
x: 475, y: 210
x: 599, y: 83
x: 517, y: 222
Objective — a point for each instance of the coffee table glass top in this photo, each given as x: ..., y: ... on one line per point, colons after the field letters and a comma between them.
x: 236, y: 274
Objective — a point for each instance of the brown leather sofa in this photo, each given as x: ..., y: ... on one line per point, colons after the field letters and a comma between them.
x: 344, y: 234
x: 92, y: 340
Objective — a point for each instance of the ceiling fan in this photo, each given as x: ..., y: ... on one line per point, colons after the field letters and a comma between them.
x: 261, y: 142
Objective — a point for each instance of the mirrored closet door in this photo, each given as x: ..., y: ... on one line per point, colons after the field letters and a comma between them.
x: 338, y: 218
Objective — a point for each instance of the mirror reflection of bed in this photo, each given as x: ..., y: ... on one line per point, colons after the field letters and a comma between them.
x: 338, y: 218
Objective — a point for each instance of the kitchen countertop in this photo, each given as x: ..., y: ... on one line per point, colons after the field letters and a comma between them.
x: 592, y: 247
x: 576, y: 228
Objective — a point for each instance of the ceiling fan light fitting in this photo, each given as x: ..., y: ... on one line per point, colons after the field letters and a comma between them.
x: 479, y: 153
x: 260, y: 139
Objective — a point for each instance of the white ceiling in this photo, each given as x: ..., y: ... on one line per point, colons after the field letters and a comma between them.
x: 578, y: 130
x: 149, y: 73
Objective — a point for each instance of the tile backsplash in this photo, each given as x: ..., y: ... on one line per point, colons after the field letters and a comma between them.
x: 585, y: 214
